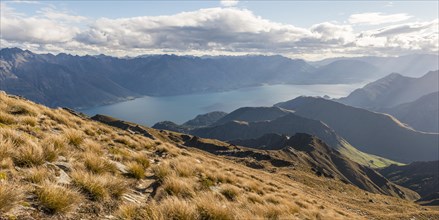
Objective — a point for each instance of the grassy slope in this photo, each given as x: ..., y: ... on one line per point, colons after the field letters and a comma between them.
x: 57, y: 165
x: 365, y: 158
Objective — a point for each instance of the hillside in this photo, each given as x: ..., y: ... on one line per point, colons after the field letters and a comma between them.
x: 289, y: 124
x: 421, y: 114
x: 57, y: 164
x: 422, y: 177
x: 370, y: 132
x: 392, y: 90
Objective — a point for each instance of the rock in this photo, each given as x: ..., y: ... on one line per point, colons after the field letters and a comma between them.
x: 64, y: 166
x: 63, y: 178
x: 122, y: 168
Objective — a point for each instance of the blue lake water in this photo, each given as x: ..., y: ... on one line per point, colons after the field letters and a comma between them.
x: 149, y: 110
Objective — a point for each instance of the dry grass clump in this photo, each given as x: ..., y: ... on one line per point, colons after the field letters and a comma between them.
x: 98, y: 165
x: 29, y: 155
x: 74, y: 137
x: 210, y: 206
x: 183, y: 168
x: 56, y: 198
x: 230, y: 192
x: 21, y: 109
x: 161, y: 171
x: 135, y: 170
x: 53, y: 146
x: 37, y: 174
x: 141, y: 159
x: 174, y: 208
x: 6, y: 119
x: 99, y: 187
x: 10, y: 195
x: 175, y: 186
x: 28, y: 120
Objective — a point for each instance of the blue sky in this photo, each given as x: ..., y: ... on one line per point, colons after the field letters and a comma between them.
x: 291, y: 28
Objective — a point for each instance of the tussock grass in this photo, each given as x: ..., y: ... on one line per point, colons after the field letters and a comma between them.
x: 230, y: 192
x: 175, y: 186
x: 10, y: 195
x: 74, y: 137
x: 210, y: 207
x: 6, y: 119
x: 161, y: 171
x: 30, y: 155
x: 56, y: 198
x: 99, y: 187
x: 135, y: 170
x: 174, y: 208
x: 98, y: 165
x: 37, y: 174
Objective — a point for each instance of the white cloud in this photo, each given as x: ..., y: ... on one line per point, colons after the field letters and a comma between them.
x: 229, y: 3
x: 377, y: 18
x: 213, y: 31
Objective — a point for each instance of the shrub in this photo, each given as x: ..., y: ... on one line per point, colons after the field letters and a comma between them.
x: 57, y: 198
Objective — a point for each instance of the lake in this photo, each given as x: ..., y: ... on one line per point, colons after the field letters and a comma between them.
x: 149, y: 110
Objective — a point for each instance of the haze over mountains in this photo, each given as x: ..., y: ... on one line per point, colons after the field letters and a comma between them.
x: 83, y: 81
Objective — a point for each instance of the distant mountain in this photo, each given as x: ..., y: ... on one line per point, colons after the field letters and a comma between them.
x: 413, y: 65
x: 84, y: 81
x: 421, y: 114
x: 81, y: 81
x: 344, y: 71
x: 253, y: 114
x: 371, y: 132
x: 392, y: 90
x: 422, y: 177
x: 205, y: 119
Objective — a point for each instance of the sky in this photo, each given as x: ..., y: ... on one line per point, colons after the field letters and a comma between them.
x: 298, y: 29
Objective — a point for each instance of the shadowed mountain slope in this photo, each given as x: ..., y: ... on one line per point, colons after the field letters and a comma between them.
x: 371, y: 132
x: 392, y: 90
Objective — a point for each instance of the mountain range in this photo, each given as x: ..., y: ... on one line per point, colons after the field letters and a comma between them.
x: 413, y: 101
x: 372, y: 132
x: 84, y: 81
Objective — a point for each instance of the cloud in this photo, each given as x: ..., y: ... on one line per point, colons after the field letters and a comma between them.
x: 377, y: 18
x: 212, y: 31
x: 42, y: 29
x: 229, y: 3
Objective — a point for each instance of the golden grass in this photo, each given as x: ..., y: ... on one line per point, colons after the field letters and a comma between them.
x: 10, y: 195
x: 98, y: 165
x: 74, y: 137
x: 175, y: 186
x: 99, y: 187
x: 37, y: 174
x: 135, y: 170
x: 56, y: 198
